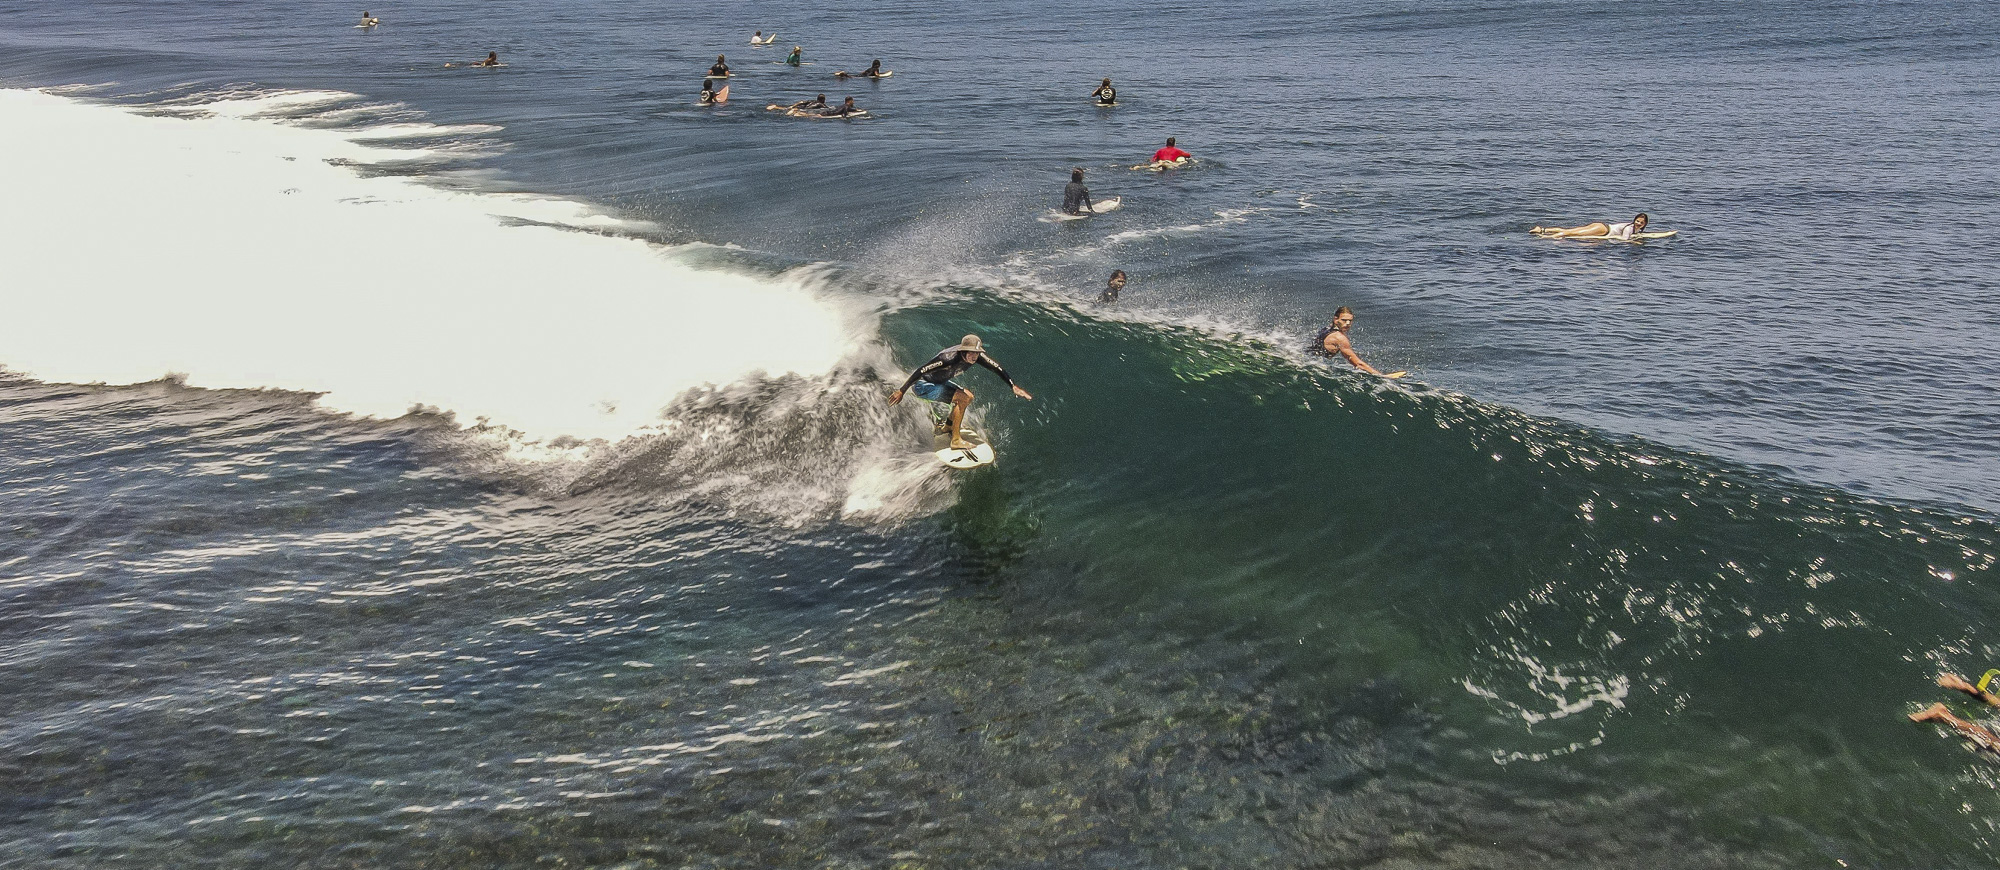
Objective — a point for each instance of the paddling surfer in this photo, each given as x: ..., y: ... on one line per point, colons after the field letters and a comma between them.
x: 1597, y: 230
x: 933, y: 381
x: 1980, y: 736
x: 492, y: 59
x: 1333, y: 342
x: 846, y: 108
x: 1170, y: 153
x: 1076, y: 197
x: 874, y: 71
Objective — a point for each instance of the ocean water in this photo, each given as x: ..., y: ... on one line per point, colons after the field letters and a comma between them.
x: 404, y: 465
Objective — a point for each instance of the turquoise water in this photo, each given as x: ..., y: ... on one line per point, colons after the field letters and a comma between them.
x: 1643, y: 567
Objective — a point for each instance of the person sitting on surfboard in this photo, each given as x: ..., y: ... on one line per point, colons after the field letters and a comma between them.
x: 793, y: 58
x: 1170, y: 153
x: 368, y: 20
x: 1105, y: 94
x: 1333, y: 341
x: 1076, y: 197
x: 934, y: 382
x: 721, y: 68
x: 712, y: 97
x: 874, y: 71
x: 1624, y: 231
x: 758, y: 38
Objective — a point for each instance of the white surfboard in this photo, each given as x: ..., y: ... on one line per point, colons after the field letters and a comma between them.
x: 981, y: 453
x: 880, y: 75
x: 1160, y: 165
x: 1099, y: 207
x: 1636, y: 237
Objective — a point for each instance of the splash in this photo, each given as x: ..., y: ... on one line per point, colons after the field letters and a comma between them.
x: 217, y: 241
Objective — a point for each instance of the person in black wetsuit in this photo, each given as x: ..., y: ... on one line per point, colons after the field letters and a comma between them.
x: 1106, y: 94
x: 934, y: 383
x: 1113, y: 287
x: 720, y: 69
x: 1076, y: 197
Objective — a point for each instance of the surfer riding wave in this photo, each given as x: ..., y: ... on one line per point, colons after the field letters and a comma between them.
x: 934, y: 383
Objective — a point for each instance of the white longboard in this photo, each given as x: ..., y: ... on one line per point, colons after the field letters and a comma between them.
x: 980, y: 453
x: 1162, y: 165
x: 1099, y: 207
x: 1636, y: 237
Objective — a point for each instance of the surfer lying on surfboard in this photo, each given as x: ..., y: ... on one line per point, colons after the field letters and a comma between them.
x: 934, y: 383
x: 874, y: 71
x: 1170, y: 154
x: 1332, y: 341
x: 492, y: 59
x: 846, y: 109
x: 1596, y: 230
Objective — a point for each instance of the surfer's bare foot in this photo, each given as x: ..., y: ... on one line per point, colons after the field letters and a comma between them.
x: 1954, y: 681
x: 962, y: 444
x: 1934, y: 713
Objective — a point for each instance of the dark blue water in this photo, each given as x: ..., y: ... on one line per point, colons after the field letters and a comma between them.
x: 1643, y: 568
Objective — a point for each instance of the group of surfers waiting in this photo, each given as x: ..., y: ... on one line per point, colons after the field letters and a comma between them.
x: 818, y: 107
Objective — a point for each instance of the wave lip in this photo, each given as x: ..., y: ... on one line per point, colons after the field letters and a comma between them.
x: 240, y: 251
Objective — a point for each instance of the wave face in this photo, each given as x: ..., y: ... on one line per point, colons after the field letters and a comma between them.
x: 1645, y: 568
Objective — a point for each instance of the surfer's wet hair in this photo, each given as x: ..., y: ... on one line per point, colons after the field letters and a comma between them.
x: 1076, y: 175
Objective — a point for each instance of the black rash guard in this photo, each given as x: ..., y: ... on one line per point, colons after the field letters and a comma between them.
x: 1076, y: 198
x: 948, y: 364
x: 1107, y: 95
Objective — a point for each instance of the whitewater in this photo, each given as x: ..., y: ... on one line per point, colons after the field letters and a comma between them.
x: 210, y: 242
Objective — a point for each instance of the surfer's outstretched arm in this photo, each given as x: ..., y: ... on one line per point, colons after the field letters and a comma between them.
x: 1954, y: 681
x: 993, y: 366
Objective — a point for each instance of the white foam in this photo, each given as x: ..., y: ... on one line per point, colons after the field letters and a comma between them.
x: 224, y: 246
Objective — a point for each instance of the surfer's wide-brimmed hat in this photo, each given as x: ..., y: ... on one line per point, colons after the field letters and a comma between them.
x: 970, y: 342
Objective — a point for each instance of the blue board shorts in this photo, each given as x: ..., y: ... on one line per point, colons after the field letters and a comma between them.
x: 936, y: 392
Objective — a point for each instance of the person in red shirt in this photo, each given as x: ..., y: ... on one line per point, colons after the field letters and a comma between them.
x: 1170, y: 153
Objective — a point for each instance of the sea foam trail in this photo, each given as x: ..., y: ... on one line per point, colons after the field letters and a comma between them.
x: 237, y: 250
